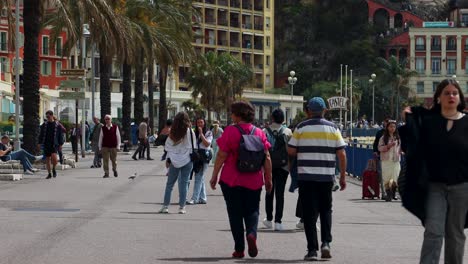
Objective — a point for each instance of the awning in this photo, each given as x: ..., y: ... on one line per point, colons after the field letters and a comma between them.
x: 263, y: 103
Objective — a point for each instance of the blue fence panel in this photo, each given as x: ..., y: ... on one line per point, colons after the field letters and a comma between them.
x: 357, y: 156
x: 363, y: 132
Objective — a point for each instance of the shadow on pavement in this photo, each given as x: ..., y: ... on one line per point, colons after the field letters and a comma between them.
x: 264, y: 230
x: 246, y: 260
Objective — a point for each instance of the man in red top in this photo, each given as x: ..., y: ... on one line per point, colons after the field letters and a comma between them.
x: 109, y: 144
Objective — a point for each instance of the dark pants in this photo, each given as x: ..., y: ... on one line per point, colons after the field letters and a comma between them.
x: 316, y: 199
x: 243, y: 207
x: 60, y: 154
x: 279, y: 177
x: 74, y: 143
x: 140, y: 151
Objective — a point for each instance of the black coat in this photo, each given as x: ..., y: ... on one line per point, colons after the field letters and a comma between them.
x: 414, y: 177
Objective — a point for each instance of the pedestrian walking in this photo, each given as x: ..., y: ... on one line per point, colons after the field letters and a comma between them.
x: 109, y: 144
x: 51, y: 139
x: 204, y: 138
x: 390, y: 152
x: 143, y: 141
x: 97, y: 161
x: 75, y: 137
x: 217, y: 133
x: 64, y: 133
x: 7, y: 153
x: 436, y: 179
x: 179, y: 146
x: 278, y: 136
x: 242, y: 190
x: 317, y: 143
x: 87, y: 136
x: 375, y: 148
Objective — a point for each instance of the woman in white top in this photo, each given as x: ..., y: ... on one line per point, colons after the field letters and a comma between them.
x: 179, y: 147
x: 204, y: 137
x: 390, y: 151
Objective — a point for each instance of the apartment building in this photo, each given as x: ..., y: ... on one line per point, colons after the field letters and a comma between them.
x: 245, y: 29
x: 436, y: 54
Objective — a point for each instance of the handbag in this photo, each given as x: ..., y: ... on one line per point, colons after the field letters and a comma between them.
x: 195, y: 156
x: 205, y: 154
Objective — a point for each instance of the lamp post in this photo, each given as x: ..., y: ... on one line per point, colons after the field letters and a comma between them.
x: 17, y: 77
x: 86, y: 33
x: 372, y: 82
x: 292, y: 80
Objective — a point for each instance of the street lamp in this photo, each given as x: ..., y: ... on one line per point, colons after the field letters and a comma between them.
x: 292, y: 80
x: 86, y: 33
x: 170, y: 73
x: 372, y: 82
x: 17, y: 143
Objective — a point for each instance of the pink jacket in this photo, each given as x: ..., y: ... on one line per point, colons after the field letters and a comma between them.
x: 385, y: 151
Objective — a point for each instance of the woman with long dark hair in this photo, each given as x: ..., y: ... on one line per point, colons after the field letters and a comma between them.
x: 204, y: 138
x: 390, y: 151
x: 179, y: 147
x: 436, y: 180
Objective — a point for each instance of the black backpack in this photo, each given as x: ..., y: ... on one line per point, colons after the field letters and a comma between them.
x: 251, y: 152
x: 278, y: 150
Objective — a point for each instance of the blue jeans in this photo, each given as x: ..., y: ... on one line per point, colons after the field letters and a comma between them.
x: 199, y: 190
x: 182, y: 174
x: 215, y: 148
x: 446, y: 210
x: 24, y: 157
x: 243, y: 207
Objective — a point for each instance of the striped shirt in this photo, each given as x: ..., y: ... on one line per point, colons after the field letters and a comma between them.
x: 316, y: 141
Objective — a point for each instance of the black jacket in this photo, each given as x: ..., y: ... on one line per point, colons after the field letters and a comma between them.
x: 414, y: 177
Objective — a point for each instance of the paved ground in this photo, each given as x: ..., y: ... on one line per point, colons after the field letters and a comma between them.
x: 82, y: 218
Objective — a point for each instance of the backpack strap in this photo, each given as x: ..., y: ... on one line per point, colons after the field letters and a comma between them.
x: 270, y: 132
x: 253, y: 130
x: 240, y: 129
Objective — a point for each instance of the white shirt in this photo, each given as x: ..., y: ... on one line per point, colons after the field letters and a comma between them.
x: 179, y: 152
x: 117, y: 132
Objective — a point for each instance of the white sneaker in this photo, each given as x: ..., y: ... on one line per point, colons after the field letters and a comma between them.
x: 182, y: 210
x: 300, y: 225
x: 267, y: 223
x: 28, y: 172
x: 35, y: 170
x: 164, y: 210
x: 279, y: 227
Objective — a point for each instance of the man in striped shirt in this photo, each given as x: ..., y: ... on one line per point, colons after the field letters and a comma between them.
x: 317, y: 143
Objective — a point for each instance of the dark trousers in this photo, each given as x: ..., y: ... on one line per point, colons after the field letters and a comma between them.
x: 279, y: 178
x: 140, y: 151
x: 316, y: 199
x: 74, y: 143
x: 243, y: 207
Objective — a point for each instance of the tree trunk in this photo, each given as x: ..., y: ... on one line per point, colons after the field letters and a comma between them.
x: 105, y: 84
x: 138, y: 99
x: 32, y: 22
x: 162, y: 98
x: 126, y: 100
x: 151, y: 96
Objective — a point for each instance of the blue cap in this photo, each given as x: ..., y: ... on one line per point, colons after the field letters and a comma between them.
x: 316, y: 104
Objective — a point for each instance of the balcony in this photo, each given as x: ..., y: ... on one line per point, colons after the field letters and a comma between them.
x: 223, y: 42
x: 247, y: 26
x: 235, y: 3
x: 435, y: 47
x: 235, y: 23
x: 210, y: 20
x: 247, y: 45
x: 222, y: 22
x: 420, y: 47
x: 223, y: 2
x: 212, y: 2
x: 258, y: 5
x: 258, y: 46
x: 247, y: 4
x: 436, y: 71
x: 258, y: 26
x: 235, y: 43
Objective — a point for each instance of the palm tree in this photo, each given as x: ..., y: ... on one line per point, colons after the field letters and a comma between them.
x: 397, y: 75
x: 126, y: 100
x: 218, y: 79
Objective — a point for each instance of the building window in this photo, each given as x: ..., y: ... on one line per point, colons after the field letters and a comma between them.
x: 420, y: 65
x: 420, y: 43
x: 267, y: 23
x: 451, y: 66
x: 3, y: 41
x: 4, y: 64
x: 45, y: 45
x: 464, y: 20
x: 267, y: 79
x: 435, y: 62
x: 420, y: 87
x: 451, y: 43
x: 435, y: 43
x: 267, y: 3
x: 434, y: 86
x: 58, y: 68
x: 268, y: 41
x: 46, y: 68
x: 58, y: 47
x: 268, y: 60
